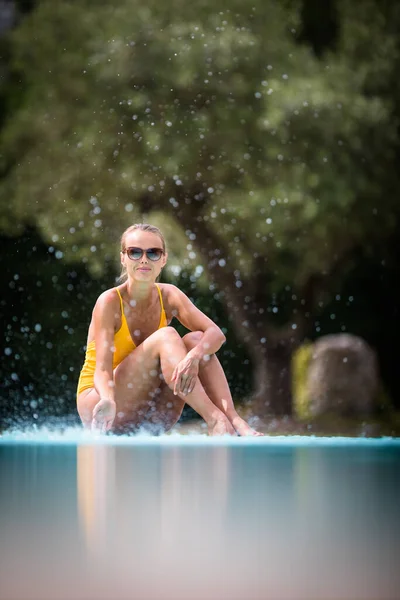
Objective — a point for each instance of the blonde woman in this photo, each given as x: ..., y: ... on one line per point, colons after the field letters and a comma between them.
x: 138, y: 371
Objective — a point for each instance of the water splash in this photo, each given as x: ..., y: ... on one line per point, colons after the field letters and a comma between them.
x: 76, y: 435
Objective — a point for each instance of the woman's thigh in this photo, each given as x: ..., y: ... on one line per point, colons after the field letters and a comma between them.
x: 141, y: 393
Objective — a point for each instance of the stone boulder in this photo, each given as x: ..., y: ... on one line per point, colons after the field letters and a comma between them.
x: 342, y: 376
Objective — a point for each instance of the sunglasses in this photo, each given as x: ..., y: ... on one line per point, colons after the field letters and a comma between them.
x: 153, y: 254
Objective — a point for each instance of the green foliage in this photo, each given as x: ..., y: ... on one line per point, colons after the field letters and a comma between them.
x: 277, y: 150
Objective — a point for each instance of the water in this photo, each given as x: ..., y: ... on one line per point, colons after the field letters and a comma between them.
x: 198, y: 518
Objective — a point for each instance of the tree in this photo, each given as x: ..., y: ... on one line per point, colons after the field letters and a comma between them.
x: 275, y: 165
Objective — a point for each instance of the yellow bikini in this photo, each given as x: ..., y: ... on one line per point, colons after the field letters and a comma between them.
x: 123, y: 345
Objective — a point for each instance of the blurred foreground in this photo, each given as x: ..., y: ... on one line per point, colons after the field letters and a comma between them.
x: 194, y: 517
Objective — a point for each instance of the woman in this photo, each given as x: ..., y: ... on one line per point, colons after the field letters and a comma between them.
x: 138, y: 371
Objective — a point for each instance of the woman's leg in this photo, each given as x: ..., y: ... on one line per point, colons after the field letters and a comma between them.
x: 159, y: 413
x: 137, y: 378
x: 213, y: 379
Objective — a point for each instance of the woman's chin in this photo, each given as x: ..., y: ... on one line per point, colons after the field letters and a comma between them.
x: 144, y: 275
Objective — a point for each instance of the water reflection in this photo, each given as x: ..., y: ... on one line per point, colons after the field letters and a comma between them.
x: 153, y: 522
x: 95, y: 479
x: 347, y: 512
x: 39, y: 532
x: 163, y: 512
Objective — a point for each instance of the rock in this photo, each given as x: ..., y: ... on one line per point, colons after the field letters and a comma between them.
x: 342, y: 376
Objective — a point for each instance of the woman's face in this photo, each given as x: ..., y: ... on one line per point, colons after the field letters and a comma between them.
x: 143, y: 269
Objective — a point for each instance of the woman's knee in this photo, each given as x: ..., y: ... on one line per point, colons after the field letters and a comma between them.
x: 169, y: 330
x: 168, y: 335
x: 192, y: 339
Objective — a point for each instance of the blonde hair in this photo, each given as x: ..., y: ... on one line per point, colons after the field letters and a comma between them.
x: 141, y: 227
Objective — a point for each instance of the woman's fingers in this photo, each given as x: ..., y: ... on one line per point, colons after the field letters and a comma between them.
x: 183, y: 383
x: 101, y: 422
x: 96, y: 425
x: 101, y: 425
x: 185, y: 379
x: 180, y: 383
x: 188, y: 384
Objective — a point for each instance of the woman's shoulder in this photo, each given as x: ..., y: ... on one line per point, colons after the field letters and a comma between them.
x: 169, y: 290
x: 173, y: 297
x: 108, y: 298
x: 166, y: 287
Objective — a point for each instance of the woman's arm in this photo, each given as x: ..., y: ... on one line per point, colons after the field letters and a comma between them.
x: 104, y: 314
x: 195, y: 320
x: 192, y: 318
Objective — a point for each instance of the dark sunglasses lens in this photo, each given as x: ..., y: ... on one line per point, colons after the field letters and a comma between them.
x: 154, y: 253
x: 134, y: 253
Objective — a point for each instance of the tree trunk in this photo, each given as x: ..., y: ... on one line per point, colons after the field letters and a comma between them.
x: 272, y: 394
x: 269, y: 349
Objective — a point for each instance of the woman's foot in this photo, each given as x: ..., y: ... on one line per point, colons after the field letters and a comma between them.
x: 220, y: 426
x: 243, y: 429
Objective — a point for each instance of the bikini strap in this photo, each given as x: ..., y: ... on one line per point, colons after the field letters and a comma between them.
x: 161, y: 300
x: 120, y: 301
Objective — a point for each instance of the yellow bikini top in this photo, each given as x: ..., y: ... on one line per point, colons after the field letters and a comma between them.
x: 123, y: 342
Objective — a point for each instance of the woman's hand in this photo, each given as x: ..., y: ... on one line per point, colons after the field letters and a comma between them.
x: 185, y: 375
x: 103, y: 415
